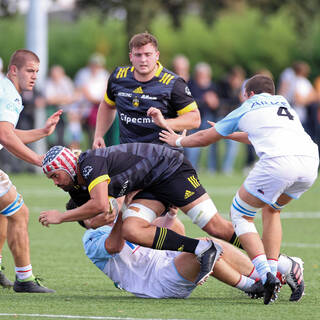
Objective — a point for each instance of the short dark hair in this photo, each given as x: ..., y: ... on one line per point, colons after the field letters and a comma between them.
x: 20, y: 57
x: 259, y: 84
x: 141, y: 39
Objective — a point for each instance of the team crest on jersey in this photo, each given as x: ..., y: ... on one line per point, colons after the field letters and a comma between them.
x: 135, y: 102
x: 86, y: 171
x: 187, y: 91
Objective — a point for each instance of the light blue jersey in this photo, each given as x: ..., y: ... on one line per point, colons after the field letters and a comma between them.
x: 10, y: 102
x: 145, y: 272
x: 273, y: 127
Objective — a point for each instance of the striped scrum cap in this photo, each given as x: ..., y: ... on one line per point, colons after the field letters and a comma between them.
x: 60, y: 158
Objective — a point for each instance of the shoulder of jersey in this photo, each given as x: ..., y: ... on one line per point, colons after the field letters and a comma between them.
x: 166, y: 76
x: 122, y: 72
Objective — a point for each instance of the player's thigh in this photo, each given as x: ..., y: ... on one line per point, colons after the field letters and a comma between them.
x: 267, y: 181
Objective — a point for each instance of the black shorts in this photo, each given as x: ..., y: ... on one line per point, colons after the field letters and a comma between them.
x: 180, y: 189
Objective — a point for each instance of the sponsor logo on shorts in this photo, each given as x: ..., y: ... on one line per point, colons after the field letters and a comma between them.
x: 188, y: 194
x: 260, y: 191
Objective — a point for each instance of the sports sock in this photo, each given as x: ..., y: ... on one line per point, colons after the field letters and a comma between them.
x: 273, y: 263
x: 244, y: 283
x: 254, y: 274
x: 235, y: 241
x: 284, y: 264
x: 261, y: 264
x: 0, y: 261
x: 166, y: 239
x: 24, y: 273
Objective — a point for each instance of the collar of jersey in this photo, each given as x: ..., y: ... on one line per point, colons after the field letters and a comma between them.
x: 157, y: 74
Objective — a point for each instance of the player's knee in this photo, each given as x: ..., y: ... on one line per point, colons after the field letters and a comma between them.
x: 15, y: 206
x: 138, y: 210
x: 132, y: 229
x: 202, y: 213
x: 240, y: 212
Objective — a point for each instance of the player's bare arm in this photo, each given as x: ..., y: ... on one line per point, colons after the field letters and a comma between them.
x: 199, y: 139
x: 28, y: 136
x: 105, y: 117
x: 236, y: 136
x: 97, y: 204
x: 13, y: 144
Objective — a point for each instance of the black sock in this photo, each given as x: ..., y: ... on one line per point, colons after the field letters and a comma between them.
x: 166, y: 239
x: 235, y: 241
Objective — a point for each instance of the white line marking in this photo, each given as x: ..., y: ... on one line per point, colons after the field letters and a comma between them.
x: 74, y: 317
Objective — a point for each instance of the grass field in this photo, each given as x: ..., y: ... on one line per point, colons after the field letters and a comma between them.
x: 83, y: 292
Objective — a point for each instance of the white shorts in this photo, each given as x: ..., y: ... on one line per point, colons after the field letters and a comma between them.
x: 5, y: 183
x: 173, y: 285
x: 292, y: 175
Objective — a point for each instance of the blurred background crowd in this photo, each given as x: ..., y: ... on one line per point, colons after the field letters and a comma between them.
x: 80, y: 97
x: 221, y: 43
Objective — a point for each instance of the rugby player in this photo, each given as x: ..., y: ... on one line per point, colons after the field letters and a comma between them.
x: 147, y: 98
x: 21, y: 76
x: 288, y: 166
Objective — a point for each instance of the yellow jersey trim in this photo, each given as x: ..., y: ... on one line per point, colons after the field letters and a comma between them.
x: 98, y: 180
x: 109, y: 101
x: 188, y: 108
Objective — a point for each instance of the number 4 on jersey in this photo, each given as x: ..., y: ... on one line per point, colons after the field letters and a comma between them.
x: 284, y: 112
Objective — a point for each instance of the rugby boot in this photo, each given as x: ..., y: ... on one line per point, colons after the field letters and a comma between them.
x: 207, y: 261
x: 294, y: 279
x: 33, y: 286
x: 4, y: 282
x: 256, y: 291
x: 271, y: 287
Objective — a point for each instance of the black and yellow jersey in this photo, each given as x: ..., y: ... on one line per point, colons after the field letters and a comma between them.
x: 166, y: 91
x: 128, y: 167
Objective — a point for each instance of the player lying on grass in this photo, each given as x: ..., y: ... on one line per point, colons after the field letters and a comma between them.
x: 287, y: 167
x: 149, y: 273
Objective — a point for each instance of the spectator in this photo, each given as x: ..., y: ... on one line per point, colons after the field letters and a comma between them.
x: 181, y: 67
x: 92, y: 82
x: 229, y: 95
x: 204, y: 92
x: 59, y: 94
x: 304, y: 93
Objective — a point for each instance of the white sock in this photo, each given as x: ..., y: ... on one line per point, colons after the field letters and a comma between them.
x: 202, y: 246
x: 0, y: 259
x: 244, y: 283
x: 261, y: 264
x: 23, y: 273
x: 273, y: 263
x: 284, y: 264
x: 254, y: 274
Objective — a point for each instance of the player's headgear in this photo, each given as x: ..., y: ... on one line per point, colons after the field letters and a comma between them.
x: 60, y: 158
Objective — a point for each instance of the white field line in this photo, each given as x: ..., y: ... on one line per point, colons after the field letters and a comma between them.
x: 62, y: 316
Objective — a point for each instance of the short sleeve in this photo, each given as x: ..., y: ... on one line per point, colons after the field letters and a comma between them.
x: 182, y: 100
x: 9, y: 111
x: 94, y: 245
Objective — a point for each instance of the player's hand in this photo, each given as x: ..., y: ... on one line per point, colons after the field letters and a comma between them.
x: 170, y: 137
x: 157, y: 117
x: 50, y: 217
x: 98, y: 143
x: 52, y: 122
x: 212, y: 124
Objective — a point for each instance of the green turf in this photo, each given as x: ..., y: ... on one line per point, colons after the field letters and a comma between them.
x: 82, y: 289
